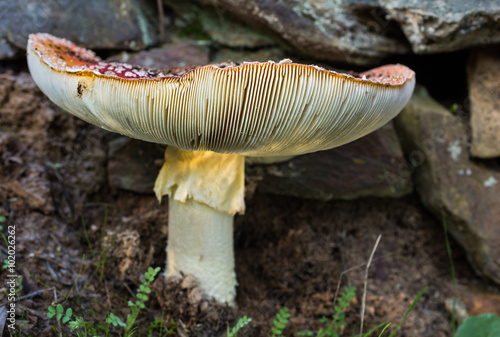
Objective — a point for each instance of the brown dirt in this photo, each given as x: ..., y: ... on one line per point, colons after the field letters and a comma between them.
x: 289, y: 252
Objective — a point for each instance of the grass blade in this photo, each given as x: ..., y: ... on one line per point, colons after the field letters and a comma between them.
x: 453, y: 276
x: 409, y: 310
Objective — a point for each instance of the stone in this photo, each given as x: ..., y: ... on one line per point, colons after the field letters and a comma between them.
x: 435, y: 26
x: 94, y: 24
x: 188, y: 282
x: 220, y: 28
x: 370, y: 166
x: 475, y: 299
x: 175, y: 56
x: 195, y: 296
x: 124, y: 248
x: 34, y: 189
x: 133, y: 164
x: 239, y: 56
x: 348, y: 31
x: 6, y: 50
x: 483, y: 72
x: 472, y: 300
x: 365, y: 31
x: 452, y: 186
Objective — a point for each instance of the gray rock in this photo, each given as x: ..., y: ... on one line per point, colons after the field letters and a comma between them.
x: 175, y: 56
x: 483, y: 73
x: 364, y: 31
x: 472, y: 300
x: 344, y: 31
x: 128, y: 24
x: 452, y: 186
x: 133, y: 165
x: 220, y: 28
x: 240, y: 56
x: 434, y: 26
x: 371, y: 166
x: 6, y: 50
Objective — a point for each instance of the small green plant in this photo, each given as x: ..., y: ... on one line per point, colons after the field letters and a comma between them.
x: 103, y: 257
x: 453, y: 275
x: 486, y: 325
x: 412, y: 305
x: 19, y: 288
x: 78, y: 325
x: 2, y: 220
x: 135, y: 307
x: 279, y: 324
x: 5, y: 264
x: 103, y: 245
x: 84, y: 328
x: 55, y: 166
x: 336, y: 324
x: 115, y: 320
x: 158, y: 324
x: 243, y: 321
x: 59, y: 313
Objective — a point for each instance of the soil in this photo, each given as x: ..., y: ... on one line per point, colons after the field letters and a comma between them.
x: 91, y: 243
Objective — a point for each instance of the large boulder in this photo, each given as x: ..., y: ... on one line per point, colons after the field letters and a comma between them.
x: 342, y: 31
x: 483, y: 74
x: 364, y: 31
x: 171, y: 56
x: 115, y: 24
x: 435, y: 26
x: 456, y: 189
x: 371, y: 166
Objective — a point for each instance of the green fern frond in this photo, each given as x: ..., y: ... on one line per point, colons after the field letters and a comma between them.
x: 281, y: 321
x: 239, y: 325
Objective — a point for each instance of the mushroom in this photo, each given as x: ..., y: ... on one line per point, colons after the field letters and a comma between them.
x: 211, y: 117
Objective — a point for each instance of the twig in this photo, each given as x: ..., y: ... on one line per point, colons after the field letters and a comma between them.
x: 77, y: 276
x: 21, y: 308
x: 349, y: 270
x: 161, y: 20
x: 107, y: 295
x: 129, y: 290
x: 3, y: 319
x: 35, y: 293
x: 363, y: 303
x: 340, y: 280
x: 179, y: 331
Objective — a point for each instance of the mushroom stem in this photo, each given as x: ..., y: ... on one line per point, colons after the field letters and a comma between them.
x: 200, y: 242
x: 205, y: 190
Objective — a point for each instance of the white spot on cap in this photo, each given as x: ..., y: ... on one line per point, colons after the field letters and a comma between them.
x: 490, y: 182
x: 455, y: 150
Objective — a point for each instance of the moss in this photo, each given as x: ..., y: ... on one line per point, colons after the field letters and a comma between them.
x: 194, y: 29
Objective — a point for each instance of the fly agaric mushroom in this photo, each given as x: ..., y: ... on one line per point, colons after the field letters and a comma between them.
x: 211, y: 117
